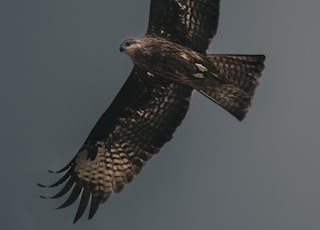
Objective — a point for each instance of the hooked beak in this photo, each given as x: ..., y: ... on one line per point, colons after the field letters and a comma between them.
x: 124, y: 45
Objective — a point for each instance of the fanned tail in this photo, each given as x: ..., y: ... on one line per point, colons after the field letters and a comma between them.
x: 238, y: 76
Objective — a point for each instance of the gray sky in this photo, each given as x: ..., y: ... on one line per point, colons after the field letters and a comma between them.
x: 60, y: 69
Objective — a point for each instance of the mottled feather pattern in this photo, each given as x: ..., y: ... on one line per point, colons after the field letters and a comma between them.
x: 243, y: 71
x: 139, y: 131
x: 238, y: 77
x: 228, y: 80
x: 186, y: 22
x: 199, y: 19
x: 229, y: 97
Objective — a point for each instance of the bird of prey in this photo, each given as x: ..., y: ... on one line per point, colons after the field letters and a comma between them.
x: 170, y: 62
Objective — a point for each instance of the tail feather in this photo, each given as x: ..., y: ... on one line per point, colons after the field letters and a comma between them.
x: 243, y: 71
x: 238, y: 75
x: 229, y: 97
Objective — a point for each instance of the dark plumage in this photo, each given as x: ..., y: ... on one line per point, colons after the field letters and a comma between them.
x: 228, y: 80
x: 170, y: 61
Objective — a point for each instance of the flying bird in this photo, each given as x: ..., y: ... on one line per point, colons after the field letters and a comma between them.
x: 170, y: 62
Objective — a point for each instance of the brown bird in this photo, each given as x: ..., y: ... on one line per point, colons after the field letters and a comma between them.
x: 170, y: 61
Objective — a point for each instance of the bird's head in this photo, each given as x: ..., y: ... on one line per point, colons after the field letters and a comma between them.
x: 140, y: 49
x: 129, y: 46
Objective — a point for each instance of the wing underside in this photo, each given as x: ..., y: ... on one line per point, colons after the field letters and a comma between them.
x: 141, y: 119
x: 187, y: 22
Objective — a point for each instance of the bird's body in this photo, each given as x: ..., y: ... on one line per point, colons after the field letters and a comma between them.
x: 158, y: 55
x: 170, y: 61
x: 161, y: 58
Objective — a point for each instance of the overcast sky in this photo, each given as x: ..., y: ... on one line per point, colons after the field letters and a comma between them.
x: 60, y: 69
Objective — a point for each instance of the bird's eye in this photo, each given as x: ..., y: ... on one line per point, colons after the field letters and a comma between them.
x: 127, y: 43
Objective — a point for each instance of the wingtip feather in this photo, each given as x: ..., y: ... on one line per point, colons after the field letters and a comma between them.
x: 83, y: 204
x: 72, y: 197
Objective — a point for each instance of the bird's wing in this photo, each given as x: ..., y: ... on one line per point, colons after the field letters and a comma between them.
x: 191, y: 23
x: 142, y: 117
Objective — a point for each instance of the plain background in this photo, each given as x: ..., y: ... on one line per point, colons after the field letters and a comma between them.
x: 60, y: 69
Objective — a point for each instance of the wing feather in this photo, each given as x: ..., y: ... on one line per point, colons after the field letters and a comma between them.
x: 140, y: 120
x: 72, y: 197
x: 191, y: 23
x: 95, y: 201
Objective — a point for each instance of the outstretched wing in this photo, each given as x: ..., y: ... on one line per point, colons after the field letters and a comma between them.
x: 191, y: 23
x: 142, y: 117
